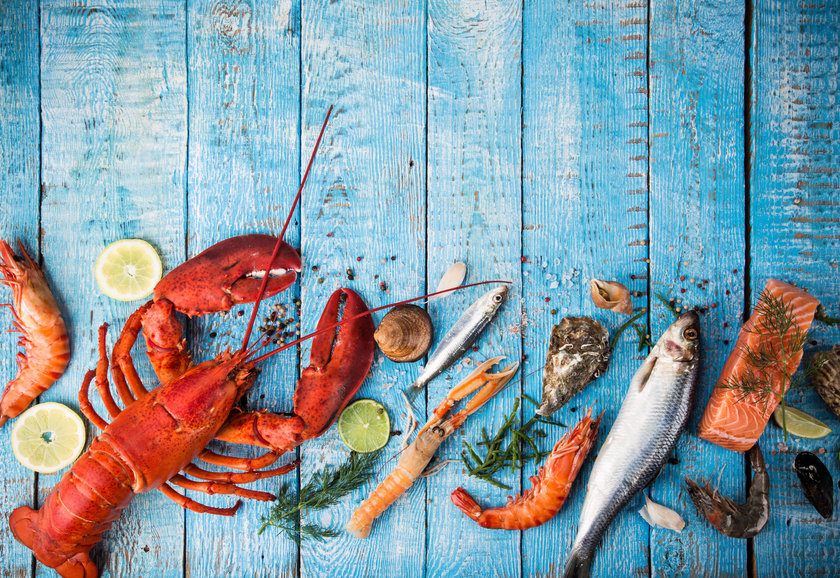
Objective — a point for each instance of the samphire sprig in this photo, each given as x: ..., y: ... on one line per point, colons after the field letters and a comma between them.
x: 519, y: 447
x: 766, y: 373
x: 323, y: 490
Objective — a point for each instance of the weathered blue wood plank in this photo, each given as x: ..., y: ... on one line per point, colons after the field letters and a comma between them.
x: 794, y: 209
x: 243, y: 174
x: 364, y: 210
x: 697, y: 245
x: 584, y: 217
x: 114, y: 143
x: 474, y: 208
x: 20, y: 142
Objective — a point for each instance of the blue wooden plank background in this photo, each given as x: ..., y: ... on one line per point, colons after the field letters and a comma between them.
x: 683, y: 148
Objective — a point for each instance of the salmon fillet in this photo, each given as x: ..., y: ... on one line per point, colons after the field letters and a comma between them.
x: 737, y: 424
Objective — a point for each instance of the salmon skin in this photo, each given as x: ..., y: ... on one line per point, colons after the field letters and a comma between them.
x: 735, y: 423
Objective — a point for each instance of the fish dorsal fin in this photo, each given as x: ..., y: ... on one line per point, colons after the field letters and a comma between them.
x: 643, y: 374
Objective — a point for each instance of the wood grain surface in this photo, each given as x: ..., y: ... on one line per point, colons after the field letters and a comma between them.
x: 687, y: 149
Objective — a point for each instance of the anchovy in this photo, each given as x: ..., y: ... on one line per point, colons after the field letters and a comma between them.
x: 460, y: 337
x: 654, y: 412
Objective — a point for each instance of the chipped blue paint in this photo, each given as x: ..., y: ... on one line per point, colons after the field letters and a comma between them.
x: 580, y: 137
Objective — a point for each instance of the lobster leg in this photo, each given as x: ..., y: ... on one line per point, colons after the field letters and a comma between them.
x: 190, y: 504
x: 102, y: 375
x: 165, y: 346
x: 245, y: 464
x: 220, y: 488
x: 84, y: 402
x: 339, y: 362
x: 238, y: 477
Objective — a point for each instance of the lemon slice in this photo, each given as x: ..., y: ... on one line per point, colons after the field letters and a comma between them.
x: 801, y: 424
x: 48, y: 437
x: 127, y: 270
x: 364, y: 426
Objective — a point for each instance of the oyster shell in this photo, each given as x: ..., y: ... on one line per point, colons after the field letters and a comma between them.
x: 826, y: 377
x: 405, y: 333
x: 578, y: 352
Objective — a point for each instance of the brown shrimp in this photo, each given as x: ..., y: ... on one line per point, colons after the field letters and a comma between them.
x: 746, y: 520
x: 43, y: 332
x: 551, y: 485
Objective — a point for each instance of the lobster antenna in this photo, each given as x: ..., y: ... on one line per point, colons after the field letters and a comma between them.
x: 365, y: 314
x: 264, y: 283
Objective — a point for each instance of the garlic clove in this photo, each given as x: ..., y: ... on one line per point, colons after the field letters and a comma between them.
x: 453, y: 278
x: 659, y: 515
x: 611, y: 295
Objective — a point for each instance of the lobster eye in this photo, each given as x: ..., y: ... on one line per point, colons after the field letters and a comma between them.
x: 690, y: 334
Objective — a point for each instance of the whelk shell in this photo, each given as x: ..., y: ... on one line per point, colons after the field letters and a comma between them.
x: 611, y: 295
x: 405, y: 333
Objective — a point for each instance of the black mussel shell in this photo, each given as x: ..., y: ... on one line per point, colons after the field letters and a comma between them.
x: 816, y: 481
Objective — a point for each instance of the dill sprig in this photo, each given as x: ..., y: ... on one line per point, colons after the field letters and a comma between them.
x: 519, y: 449
x: 766, y: 373
x: 323, y: 490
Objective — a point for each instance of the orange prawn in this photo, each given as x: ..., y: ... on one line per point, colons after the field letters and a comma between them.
x: 43, y: 332
x: 550, y: 488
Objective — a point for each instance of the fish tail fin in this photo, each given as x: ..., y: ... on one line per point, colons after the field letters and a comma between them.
x: 466, y: 503
x: 578, y: 565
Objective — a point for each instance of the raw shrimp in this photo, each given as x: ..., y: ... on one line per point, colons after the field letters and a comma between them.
x: 551, y: 485
x: 746, y: 520
x: 417, y: 456
x: 43, y: 333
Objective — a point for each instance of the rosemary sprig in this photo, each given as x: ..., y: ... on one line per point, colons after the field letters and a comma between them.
x: 323, y: 490
x: 823, y: 317
x: 667, y: 304
x: 624, y: 326
x: 510, y: 455
x: 766, y: 374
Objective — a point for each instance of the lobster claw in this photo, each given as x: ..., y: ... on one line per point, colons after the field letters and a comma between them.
x: 339, y: 361
x: 228, y: 273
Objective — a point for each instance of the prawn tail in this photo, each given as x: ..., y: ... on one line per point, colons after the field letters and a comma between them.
x: 391, y: 488
x: 578, y: 565
x: 466, y: 503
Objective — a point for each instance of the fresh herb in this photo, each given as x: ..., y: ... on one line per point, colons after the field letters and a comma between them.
x: 667, y: 304
x: 506, y: 449
x: 624, y: 326
x: 323, y: 490
x: 765, y: 374
x: 644, y: 338
x: 823, y: 317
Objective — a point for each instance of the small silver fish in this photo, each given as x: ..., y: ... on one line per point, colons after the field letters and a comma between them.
x: 654, y: 412
x: 460, y: 337
x: 578, y: 352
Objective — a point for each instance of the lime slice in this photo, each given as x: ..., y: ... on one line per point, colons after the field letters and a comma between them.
x: 47, y: 437
x: 127, y: 270
x: 364, y: 426
x: 801, y: 424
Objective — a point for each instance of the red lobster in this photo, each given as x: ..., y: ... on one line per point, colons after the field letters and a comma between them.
x: 152, y: 442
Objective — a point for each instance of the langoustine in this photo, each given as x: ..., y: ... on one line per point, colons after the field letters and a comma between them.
x: 419, y: 453
x: 550, y: 488
x: 43, y: 332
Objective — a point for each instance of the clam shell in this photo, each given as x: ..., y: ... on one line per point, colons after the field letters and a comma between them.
x: 405, y: 333
x: 611, y: 295
x: 826, y: 377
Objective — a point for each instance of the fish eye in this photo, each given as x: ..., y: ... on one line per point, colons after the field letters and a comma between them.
x: 690, y: 334
x: 497, y: 298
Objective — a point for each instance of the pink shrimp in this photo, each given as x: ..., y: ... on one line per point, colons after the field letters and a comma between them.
x: 551, y: 485
x: 44, y: 334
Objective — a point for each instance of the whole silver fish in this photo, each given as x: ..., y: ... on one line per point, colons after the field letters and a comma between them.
x: 654, y: 412
x: 460, y: 338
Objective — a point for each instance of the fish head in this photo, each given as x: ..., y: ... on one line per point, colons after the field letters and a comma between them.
x: 681, y: 341
x: 493, y: 299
